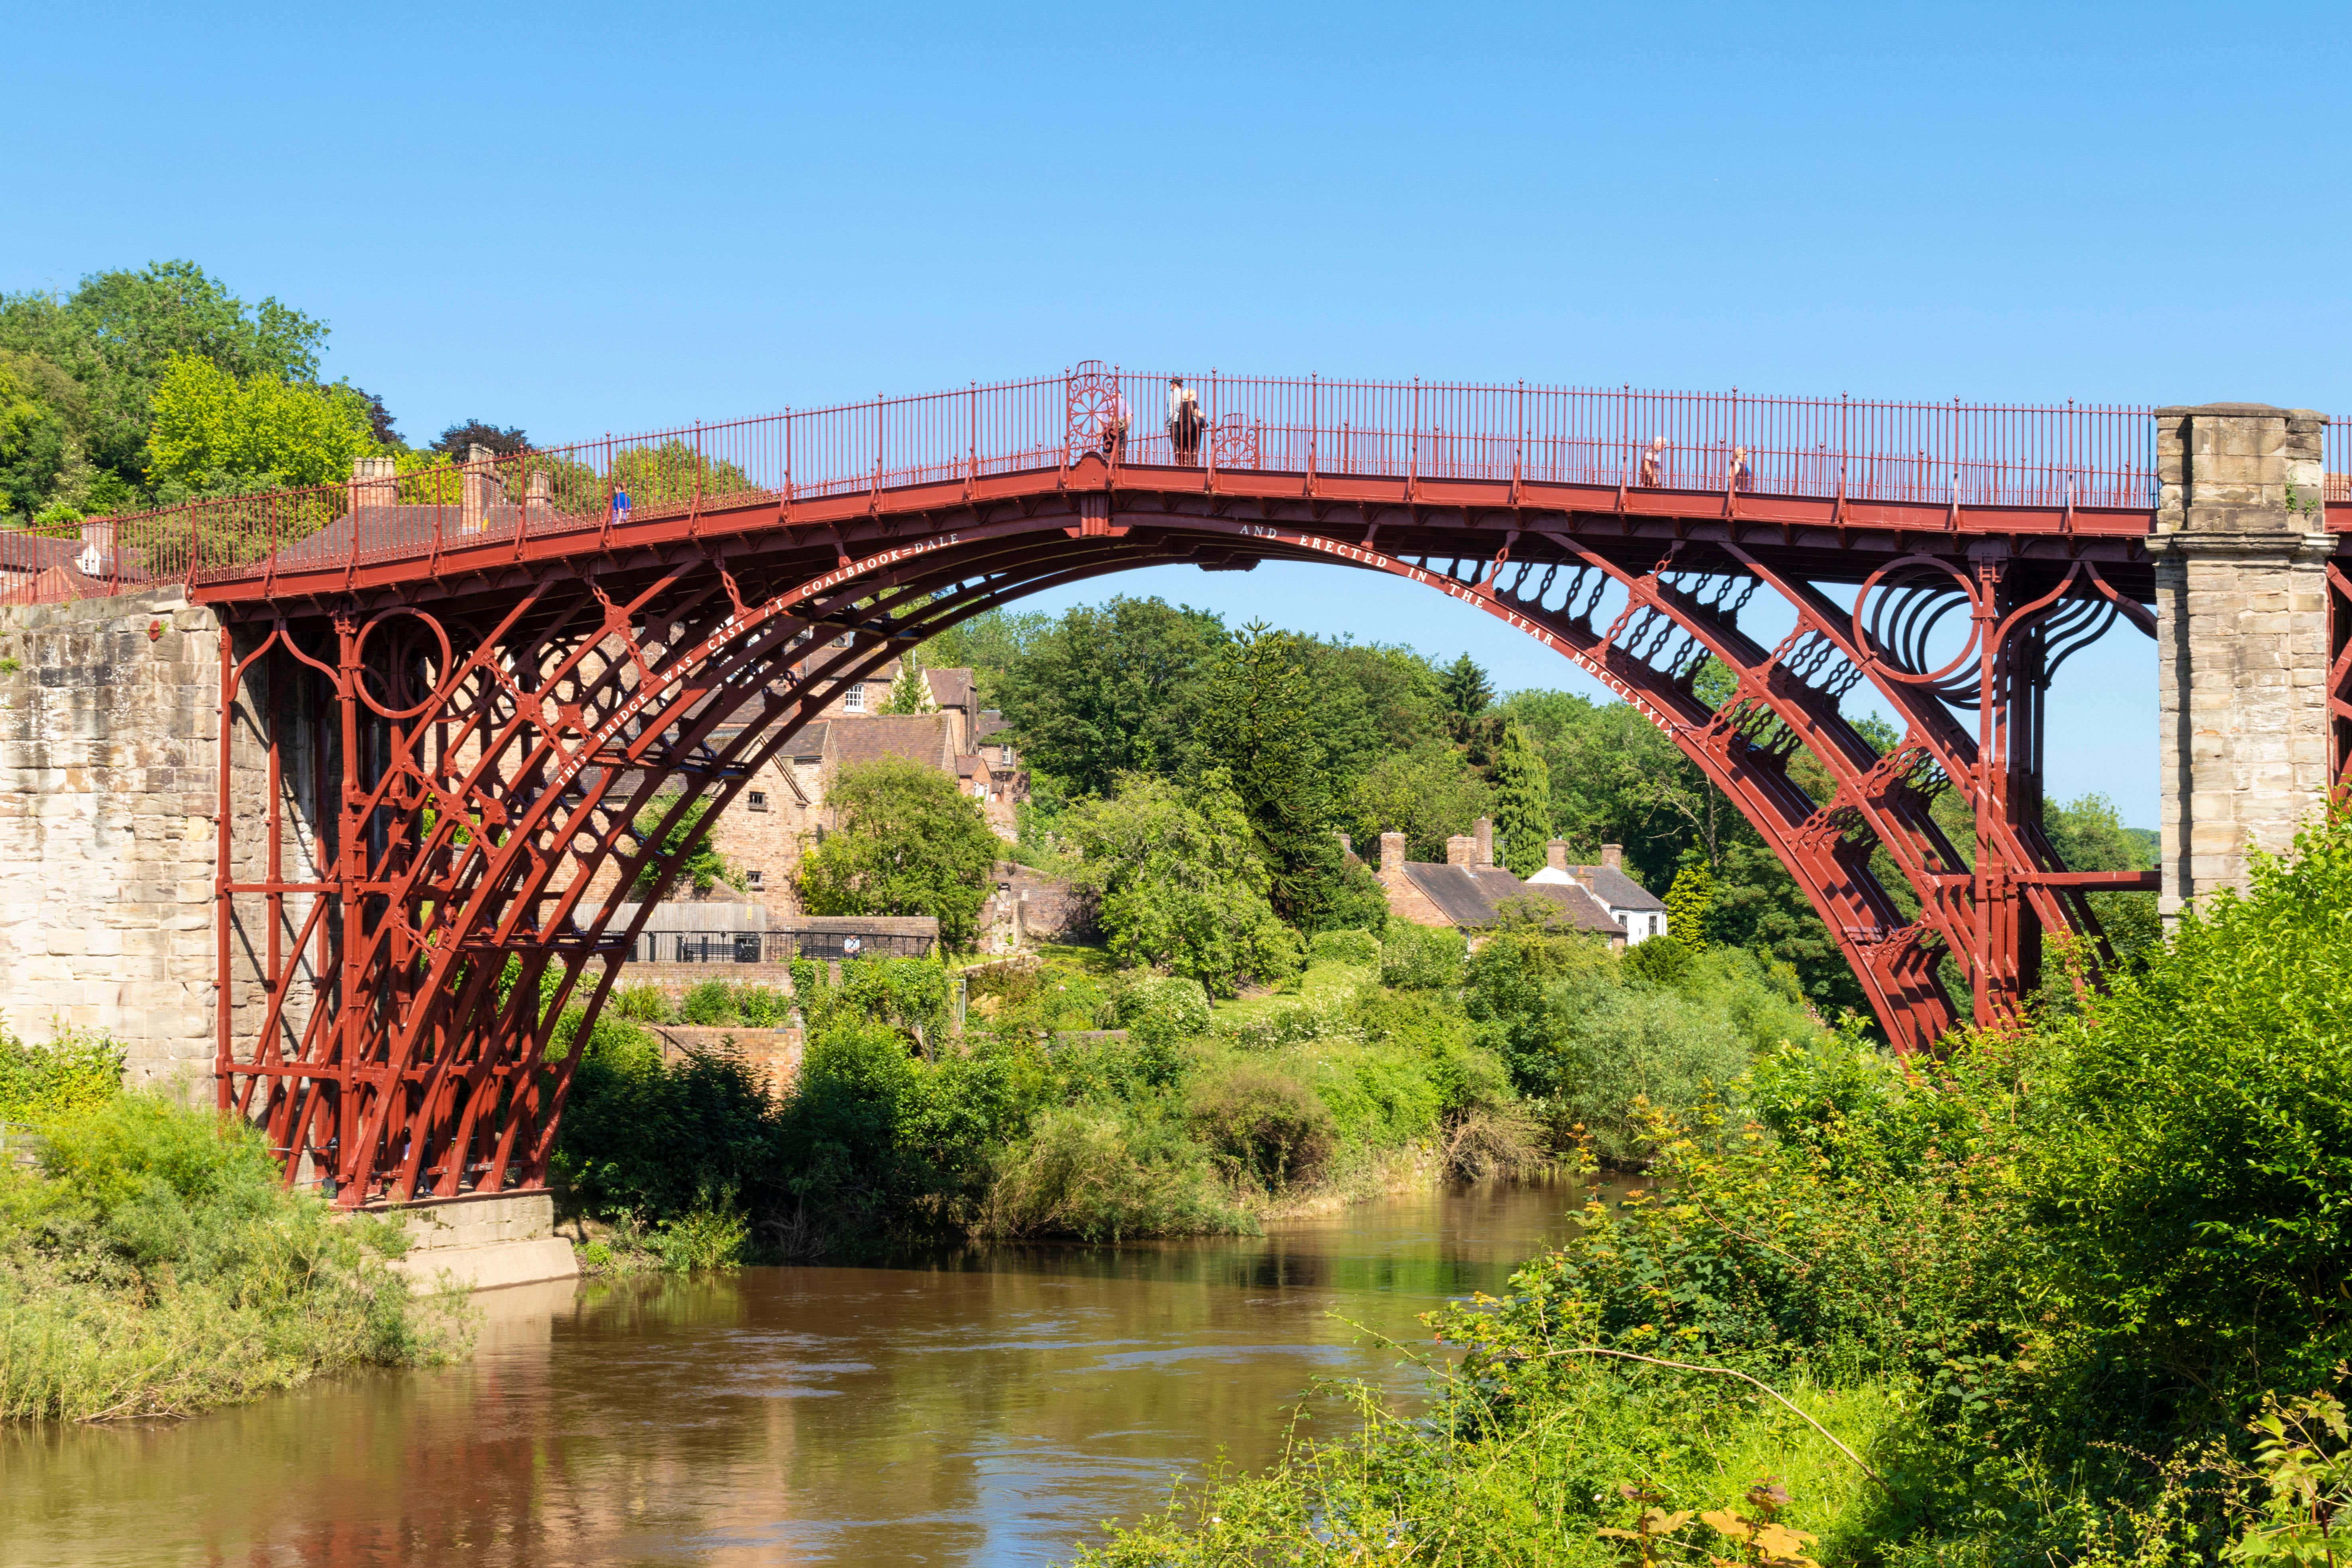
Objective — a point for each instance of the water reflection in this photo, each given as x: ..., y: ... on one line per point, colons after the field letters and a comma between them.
x: 979, y: 1407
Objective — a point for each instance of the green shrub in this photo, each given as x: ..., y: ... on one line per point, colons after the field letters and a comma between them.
x: 157, y: 1264
x: 1421, y: 958
x: 908, y: 994
x: 77, y: 1070
x: 1359, y: 949
x: 1267, y: 1127
x: 1095, y: 1174
x: 1158, y: 1008
x: 762, y: 1006
x: 652, y: 1138
x: 2195, y: 1181
x: 1659, y: 961
x: 710, y: 1004
x: 643, y: 1003
x: 712, y: 1234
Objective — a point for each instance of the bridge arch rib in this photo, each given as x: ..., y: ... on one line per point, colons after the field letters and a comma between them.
x: 513, y: 760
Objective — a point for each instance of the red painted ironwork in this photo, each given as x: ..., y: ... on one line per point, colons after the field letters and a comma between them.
x: 475, y: 684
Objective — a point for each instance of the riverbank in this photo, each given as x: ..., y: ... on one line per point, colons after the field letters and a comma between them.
x: 1080, y: 1102
x: 976, y: 1406
x: 2069, y: 1294
x: 152, y: 1263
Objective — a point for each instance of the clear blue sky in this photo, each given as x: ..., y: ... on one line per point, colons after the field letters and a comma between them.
x: 586, y: 217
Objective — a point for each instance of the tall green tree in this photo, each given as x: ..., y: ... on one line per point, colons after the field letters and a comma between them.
x: 1106, y: 691
x: 909, y: 693
x: 1427, y: 792
x: 906, y: 842
x: 1522, y: 802
x: 1468, y: 695
x: 1180, y: 882
x: 1255, y: 719
x: 118, y: 333
x: 40, y: 408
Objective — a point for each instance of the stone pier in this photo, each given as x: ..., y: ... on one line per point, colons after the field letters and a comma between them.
x: 2241, y: 549
x: 110, y: 748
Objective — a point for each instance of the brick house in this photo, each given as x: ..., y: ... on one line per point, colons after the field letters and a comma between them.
x: 782, y: 812
x: 1468, y: 889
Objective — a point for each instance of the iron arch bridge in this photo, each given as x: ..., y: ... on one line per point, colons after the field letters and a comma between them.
x: 470, y: 681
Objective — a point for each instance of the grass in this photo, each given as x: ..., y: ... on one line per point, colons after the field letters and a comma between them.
x: 1475, y: 1483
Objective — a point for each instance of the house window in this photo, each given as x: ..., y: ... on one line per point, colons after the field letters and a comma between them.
x: 759, y: 800
x: 854, y: 699
x: 752, y: 877
x: 1004, y: 755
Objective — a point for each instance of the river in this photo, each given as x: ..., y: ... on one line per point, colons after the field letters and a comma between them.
x: 984, y: 1408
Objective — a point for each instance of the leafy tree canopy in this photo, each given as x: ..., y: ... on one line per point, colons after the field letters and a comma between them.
x: 1256, y: 710
x: 1428, y: 793
x: 1181, y: 883
x: 119, y: 333
x: 40, y: 408
x: 459, y: 440
x: 213, y: 432
x: 1106, y: 691
x: 908, y: 843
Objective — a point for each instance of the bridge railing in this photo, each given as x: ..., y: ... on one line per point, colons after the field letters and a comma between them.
x: 1977, y: 455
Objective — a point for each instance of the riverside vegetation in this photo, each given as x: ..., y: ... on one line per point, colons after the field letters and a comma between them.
x: 2073, y: 1294
x: 1088, y: 1101
x: 154, y: 1263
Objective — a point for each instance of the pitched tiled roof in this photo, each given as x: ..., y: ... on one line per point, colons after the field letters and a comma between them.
x: 922, y: 738
x: 1617, y: 890
x: 1470, y: 896
x: 989, y: 724
x: 1584, y: 912
x: 1453, y: 891
x: 809, y: 744
x: 950, y: 688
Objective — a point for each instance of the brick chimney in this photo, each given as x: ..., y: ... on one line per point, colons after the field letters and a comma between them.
x: 1391, y: 854
x: 372, y: 484
x: 1555, y: 854
x: 1484, y: 828
x: 477, y: 487
x: 1461, y: 850
x: 1613, y: 856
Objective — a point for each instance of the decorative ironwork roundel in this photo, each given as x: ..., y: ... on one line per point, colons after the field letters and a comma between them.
x: 1093, y: 396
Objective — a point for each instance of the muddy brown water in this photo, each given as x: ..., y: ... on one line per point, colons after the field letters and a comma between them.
x: 975, y: 1408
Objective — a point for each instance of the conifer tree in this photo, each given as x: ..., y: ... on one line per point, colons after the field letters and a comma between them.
x: 910, y: 693
x: 1690, y: 900
x: 1522, y: 802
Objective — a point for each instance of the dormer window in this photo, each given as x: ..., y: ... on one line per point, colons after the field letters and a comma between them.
x: 854, y: 699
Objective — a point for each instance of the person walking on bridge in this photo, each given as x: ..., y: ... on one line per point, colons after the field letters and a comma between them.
x: 1184, y: 423
x: 1651, y: 464
x: 1113, y: 428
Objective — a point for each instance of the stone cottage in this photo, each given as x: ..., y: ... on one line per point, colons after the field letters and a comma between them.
x: 783, y: 811
x: 1468, y: 889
